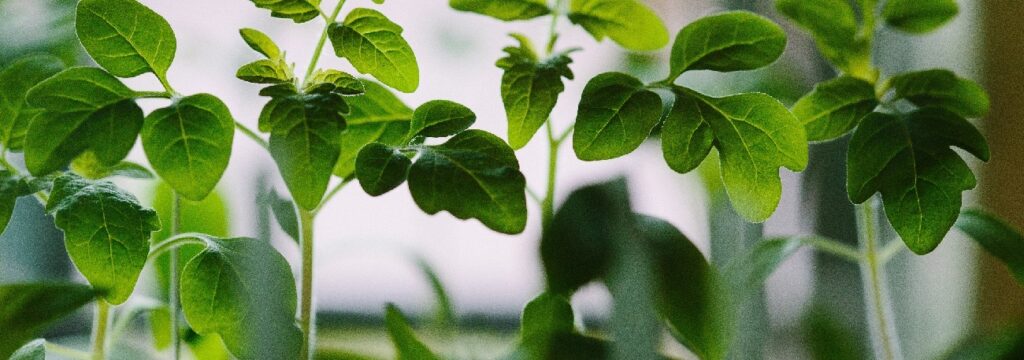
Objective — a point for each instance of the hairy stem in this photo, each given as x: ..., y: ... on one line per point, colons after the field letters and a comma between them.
x: 99, y: 333
x: 323, y: 40
x: 307, y: 319
x: 172, y: 291
x: 252, y: 135
x: 884, y: 339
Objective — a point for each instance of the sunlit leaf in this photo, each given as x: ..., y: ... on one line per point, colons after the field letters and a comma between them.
x: 126, y: 37
x: 374, y: 45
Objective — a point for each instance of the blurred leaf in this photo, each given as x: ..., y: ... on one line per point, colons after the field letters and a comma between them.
x: 997, y: 238
x: 15, y: 81
x: 126, y: 37
x: 507, y: 10
x: 284, y: 213
x: 829, y: 338
x: 374, y: 45
x: 730, y: 41
x: 835, y: 107
x: 833, y: 25
x: 12, y: 186
x: 445, y: 316
x: 629, y: 23
x: 402, y: 335
x: 942, y: 88
x: 546, y: 315
x: 29, y: 308
x: 747, y: 273
x: 34, y: 350
x: 616, y: 115
x: 1007, y: 345
x: 919, y: 16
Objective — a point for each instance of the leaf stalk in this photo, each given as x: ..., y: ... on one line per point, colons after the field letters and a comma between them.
x: 306, y: 315
x: 884, y: 338
x: 99, y: 337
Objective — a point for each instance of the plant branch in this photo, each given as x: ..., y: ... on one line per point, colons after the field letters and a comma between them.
x: 548, y: 204
x: 99, y: 334
x: 176, y: 241
x: 556, y: 13
x: 835, y: 248
x: 330, y: 194
x: 173, y: 283
x: 323, y: 39
x: 889, y: 251
x: 252, y: 135
x: 883, y: 331
x: 306, y: 315
x: 67, y: 352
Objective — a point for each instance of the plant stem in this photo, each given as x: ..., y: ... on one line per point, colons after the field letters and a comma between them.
x: 306, y: 316
x: 67, y: 352
x: 99, y: 335
x: 834, y: 248
x: 173, y: 283
x: 252, y: 135
x: 879, y: 308
x: 330, y: 194
x: 153, y: 95
x: 548, y: 204
x: 323, y: 40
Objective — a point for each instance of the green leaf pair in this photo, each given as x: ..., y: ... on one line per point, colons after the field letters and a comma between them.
x: 530, y: 88
x: 272, y: 70
x: 754, y: 133
x: 28, y: 308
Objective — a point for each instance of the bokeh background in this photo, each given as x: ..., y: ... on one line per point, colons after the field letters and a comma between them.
x: 371, y: 251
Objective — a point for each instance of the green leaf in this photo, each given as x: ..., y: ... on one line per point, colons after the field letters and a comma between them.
x: 15, y: 81
x: 440, y: 118
x: 919, y: 16
x: 12, y: 187
x: 242, y: 289
x: 189, y: 144
x: 125, y: 37
x: 530, y: 89
x: 326, y: 81
x: 381, y: 168
x: 374, y: 45
x: 377, y: 105
x: 616, y: 114
x: 83, y: 109
x: 909, y: 160
x: 506, y: 10
x: 265, y: 71
x: 210, y: 216
x: 942, y: 88
x: 997, y: 237
x: 747, y: 273
x: 629, y: 23
x: 833, y: 25
x: 472, y: 175
x: 34, y: 350
x: 835, y: 107
x: 90, y: 167
x: 299, y: 11
x: 284, y: 213
x: 29, y: 308
x: 376, y: 116
x: 755, y: 136
x: 402, y: 335
x: 545, y: 315
x: 106, y: 232
x: 304, y: 142
x: 730, y: 41
x: 260, y: 42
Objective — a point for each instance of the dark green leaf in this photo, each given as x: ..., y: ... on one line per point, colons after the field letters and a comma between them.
x: 942, y: 88
x: 546, y: 315
x: 616, y: 115
x: 106, y: 232
x: 15, y: 81
x: 284, y: 213
x: 34, y: 350
x: 260, y: 42
x: 355, y: 137
x: 265, y: 71
x: 84, y: 109
x: 374, y: 45
x: 29, y: 308
x: 835, y: 107
x: 377, y: 105
x: 472, y: 175
x: 507, y: 10
x: 402, y: 335
x: 381, y: 168
x: 997, y: 237
x: 299, y: 11
x: 242, y: 290
x: 189, y: 143
x: 909, y: 160
x: 833, y: 24
x: 440, y: 118
x: 730, y: 41
x: 919, y: 16
x: 325, y: 81
x: 530, y: 89
x: 1005, y: 345
x: 125, y: 37
x: 629, y: 23
x: 12, y: 187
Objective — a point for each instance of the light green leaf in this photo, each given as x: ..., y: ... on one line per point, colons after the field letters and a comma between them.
x: 835, y: 107
x: 84, y: 109
x: 997, y: 237
x: 265, y: 71
x: 125, y: 37
x: 407, y: 345
x: 629, y: 23
x: 730, y: 41
x: 260, y: 42
x: 15, y: 81
x: 919, y: 16
x: 616, y: 115
x: 545, y: 315
x: 507, y: 10
x: 755, y: 136
x: 242, y: 289
x: 374, y: 45
x: 299, y: 11
x: 472, y: 175
x: 440, y: 118
x: 34, y: 350
x: 106, y: 232
x: 377, y: 105
x: 29, y: 308
x: 833, y: 25
x: 189, y: 143
x: 325, y: 81
x: 942, y: 88
x: 12, y: 187
x: 90, y: 167
x: 381, y: 168
x: 530, y: 89
x: 909, y: 160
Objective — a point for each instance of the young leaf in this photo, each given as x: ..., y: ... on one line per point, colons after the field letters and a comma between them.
x: 755, y: 135
x: 381, y: 168
x: 265, y: 71
x: 472, y: 175
x: 189, y: 143
x: 546, y: 315
x: 125, y: 37
x: 242, y: 289
x: 530, y: 89
x: 919, y: 16
x: 15, y: 81
x: 506, y: 10
x: 942, y: 88
x: 34, y: 350
x: 406, y: 343
x: 284, y: 213
x: 909, y: 160
x: 730, y: 41
x: 299, y: 11
x: 629, y: 23
x: 84, y: 109
x: 616, y: 115
x: 12, y: 187
x: 106, y: 232
x: 28, y: 308
x: 377, y: 116
x: 997, y: 237
x: 833, y: 25
x: 440, y: 118
x: 835, y: 107
x: 260, y: 42
x: 327, y: 81
x: 374, y: 45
